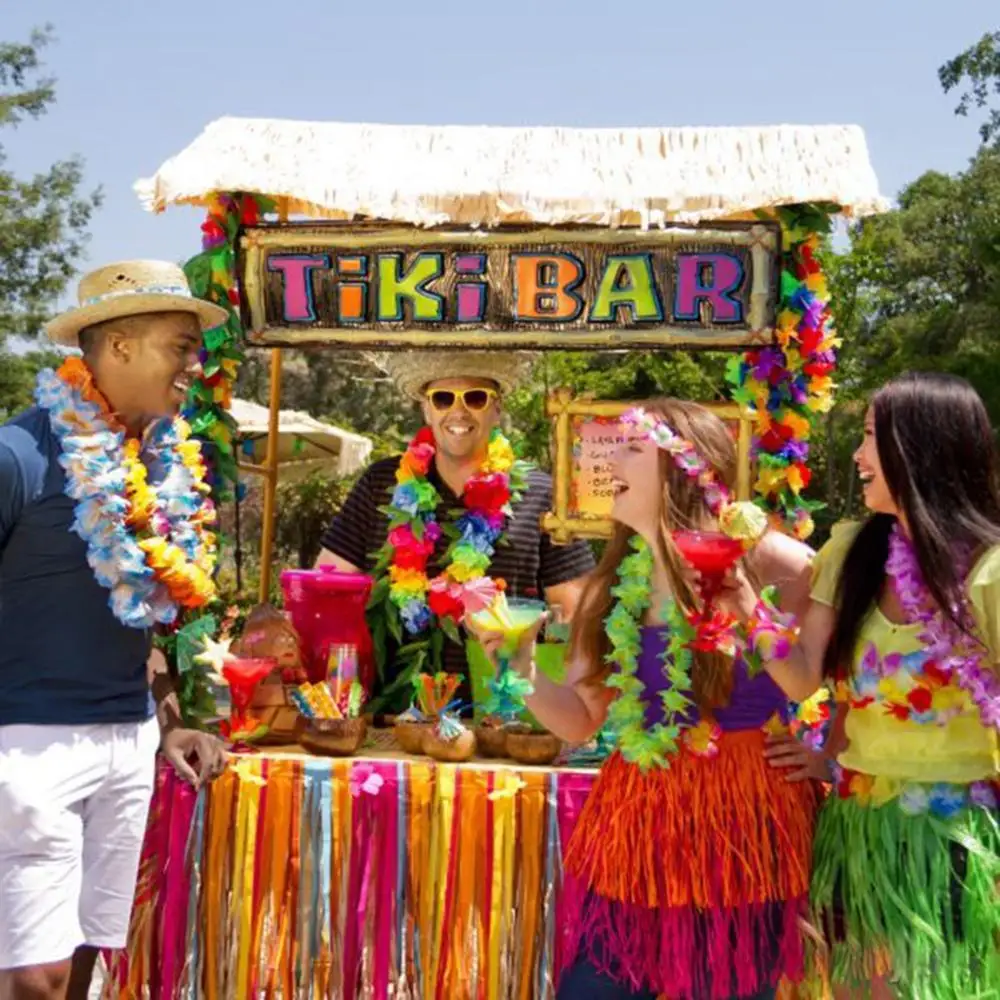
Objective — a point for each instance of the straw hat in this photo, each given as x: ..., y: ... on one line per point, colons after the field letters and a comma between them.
x: 413, y: 371
x: 131, y: 288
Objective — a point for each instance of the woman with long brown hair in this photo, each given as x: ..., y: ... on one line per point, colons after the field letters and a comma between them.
x: 693, y: 853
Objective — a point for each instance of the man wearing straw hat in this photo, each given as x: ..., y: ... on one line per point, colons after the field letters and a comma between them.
x: 102, y: 538
x: 451, y: 521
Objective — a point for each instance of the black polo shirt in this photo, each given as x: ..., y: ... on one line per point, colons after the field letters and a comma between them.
x: 527, y: 559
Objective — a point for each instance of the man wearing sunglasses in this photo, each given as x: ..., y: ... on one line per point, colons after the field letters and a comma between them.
x: 461, y: 395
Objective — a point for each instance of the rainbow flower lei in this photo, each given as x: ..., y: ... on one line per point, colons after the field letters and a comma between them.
x: 408, y: 599
x: 212, y: 276
x: 150, y: 546
x: 957, y: 654
x: 627, y: 715
x: 789, y: 383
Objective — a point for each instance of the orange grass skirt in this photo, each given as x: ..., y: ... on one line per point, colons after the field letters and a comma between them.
x: 694, y: 878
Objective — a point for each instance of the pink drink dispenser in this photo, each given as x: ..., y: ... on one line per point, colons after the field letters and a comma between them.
x: 328, y: 609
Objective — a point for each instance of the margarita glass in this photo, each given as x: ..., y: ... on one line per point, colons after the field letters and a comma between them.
x: 509, y: 618
x: 712, y: 555
x: 243, y: 675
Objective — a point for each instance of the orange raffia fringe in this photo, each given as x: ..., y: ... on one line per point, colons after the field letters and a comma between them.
x: 705, y: 832
x: 697, y: 875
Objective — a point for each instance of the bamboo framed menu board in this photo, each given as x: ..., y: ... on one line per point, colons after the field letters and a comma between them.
x: 587, y: 433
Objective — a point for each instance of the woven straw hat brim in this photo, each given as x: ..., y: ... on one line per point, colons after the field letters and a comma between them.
x: 413, y: 371
x: 65, y: 328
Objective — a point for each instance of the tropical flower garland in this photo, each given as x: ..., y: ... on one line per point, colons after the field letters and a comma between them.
x: 406, y: 599
x: 786, y: 385
x: 768, y: 632
x: 149, y: 545
x: 955, y: 653
x: 627, y: 715
x: 212, y: 276
x: 743, y: 521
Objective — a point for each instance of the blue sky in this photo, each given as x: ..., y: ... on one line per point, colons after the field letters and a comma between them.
x: 137, y: 80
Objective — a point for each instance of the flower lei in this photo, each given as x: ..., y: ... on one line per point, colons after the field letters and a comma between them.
x: 408, y: 599
x: 955, y: 652
x: 627, y: 714
x: 744, y: 521
x: 212, y: 276
x: 150, y: 546
x: 788, y: 384
x: 769, y: 633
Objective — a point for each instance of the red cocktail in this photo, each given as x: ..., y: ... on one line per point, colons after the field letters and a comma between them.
x: 712, y: 555
x: 243, y: 677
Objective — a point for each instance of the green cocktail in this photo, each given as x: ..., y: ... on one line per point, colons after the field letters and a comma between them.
x: 510, y: 619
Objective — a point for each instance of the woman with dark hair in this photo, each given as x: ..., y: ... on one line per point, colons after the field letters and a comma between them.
x: 905, y: 620
x: 692, y: 854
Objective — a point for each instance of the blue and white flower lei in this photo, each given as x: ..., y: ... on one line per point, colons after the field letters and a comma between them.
x: 93, y: 458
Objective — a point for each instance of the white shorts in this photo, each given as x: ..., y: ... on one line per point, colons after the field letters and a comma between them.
x: 73, y: 808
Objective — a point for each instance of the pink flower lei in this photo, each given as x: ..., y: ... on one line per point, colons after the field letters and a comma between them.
x: 955, y: 651
x: 743, y: 520
x: 684, y: 454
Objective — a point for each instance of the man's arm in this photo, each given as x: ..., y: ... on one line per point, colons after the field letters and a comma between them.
x: 345, y: 542
x: 328, y: 558
x: 182, y: 747
x: 12, y: 490
x: 168, y: 709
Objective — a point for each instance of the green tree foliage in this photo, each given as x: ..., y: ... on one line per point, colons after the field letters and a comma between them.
x: 621, y: 375
x: 918, y: 289
x: 932, y: 289
x: 305, y: 509
x: 977, y: 70
x: 340, y: 387
x: 44, y: 218
x: 17, y: 379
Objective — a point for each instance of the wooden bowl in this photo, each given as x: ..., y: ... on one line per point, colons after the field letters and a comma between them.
x: 533, y: 748
x: 491, y: 741
x: 452, y: 751
x: 410, y: 736
x: 333, y: 737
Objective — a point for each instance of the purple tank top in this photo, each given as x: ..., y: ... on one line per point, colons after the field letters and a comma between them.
x: 752, y: 705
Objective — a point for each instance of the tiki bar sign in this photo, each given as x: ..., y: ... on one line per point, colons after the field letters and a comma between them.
x: 712, y: 286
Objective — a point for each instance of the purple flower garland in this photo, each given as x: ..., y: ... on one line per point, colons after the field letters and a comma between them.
x: 955, y: 651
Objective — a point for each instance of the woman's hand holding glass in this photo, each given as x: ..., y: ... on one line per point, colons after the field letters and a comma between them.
x: 496, y: 645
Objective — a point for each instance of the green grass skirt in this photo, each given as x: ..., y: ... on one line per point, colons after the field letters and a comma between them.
x: 919, y: 891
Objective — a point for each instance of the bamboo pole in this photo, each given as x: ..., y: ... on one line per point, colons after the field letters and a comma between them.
x: 271, y: 461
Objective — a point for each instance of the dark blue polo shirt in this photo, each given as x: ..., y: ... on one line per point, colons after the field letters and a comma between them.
x: 64, y: 657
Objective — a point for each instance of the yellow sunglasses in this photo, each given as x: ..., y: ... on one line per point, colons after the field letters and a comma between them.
x: 474, y: 400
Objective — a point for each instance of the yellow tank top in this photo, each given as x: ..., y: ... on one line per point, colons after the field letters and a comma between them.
x: 906, y: 721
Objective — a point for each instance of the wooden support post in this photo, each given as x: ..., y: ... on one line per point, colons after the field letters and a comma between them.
x: 271, y: 461
x: 270, y: 478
